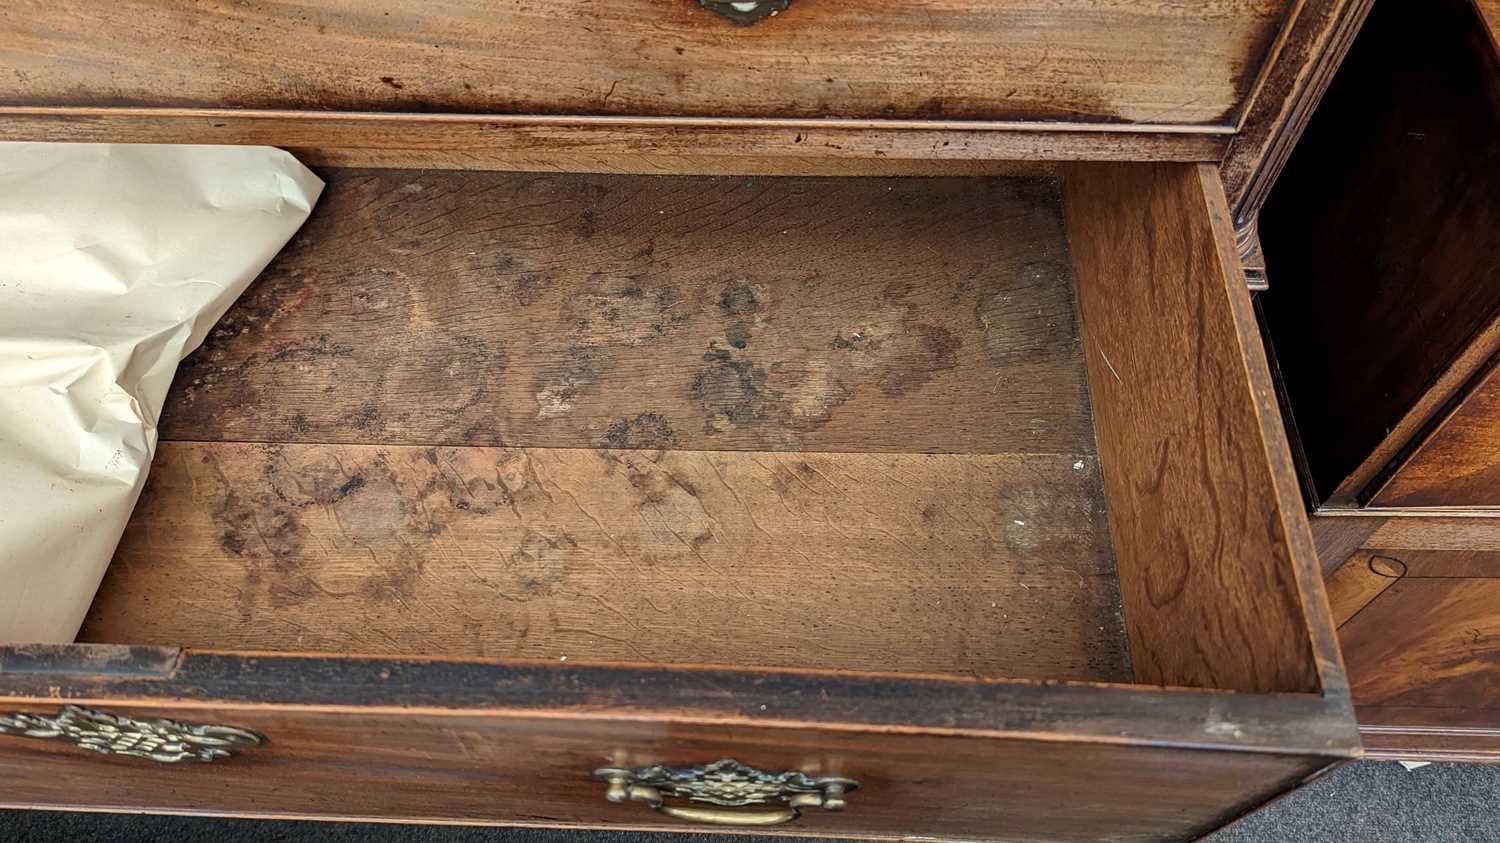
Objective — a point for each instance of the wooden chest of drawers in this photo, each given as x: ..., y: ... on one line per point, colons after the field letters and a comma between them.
x: 1385, y: 315
x: 618, y: 413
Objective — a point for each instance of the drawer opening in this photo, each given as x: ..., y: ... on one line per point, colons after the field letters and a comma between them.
x: 820, y: 423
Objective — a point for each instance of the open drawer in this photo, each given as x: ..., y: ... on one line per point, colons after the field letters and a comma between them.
x: 970, y: 491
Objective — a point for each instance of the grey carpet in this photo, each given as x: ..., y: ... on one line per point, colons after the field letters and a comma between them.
x: 1369, y: 803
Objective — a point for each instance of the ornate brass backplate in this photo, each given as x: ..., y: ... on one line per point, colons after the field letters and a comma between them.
x: 167, y: 741
x: 730, y: 784
x: 746, y: 13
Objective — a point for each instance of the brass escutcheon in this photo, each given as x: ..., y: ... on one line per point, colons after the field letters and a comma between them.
x: 166, y: 741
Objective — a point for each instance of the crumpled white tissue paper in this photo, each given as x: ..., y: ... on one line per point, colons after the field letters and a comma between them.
x: 115, y: 261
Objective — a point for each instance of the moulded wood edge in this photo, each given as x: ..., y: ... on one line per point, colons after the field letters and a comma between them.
x: 1025, y: 710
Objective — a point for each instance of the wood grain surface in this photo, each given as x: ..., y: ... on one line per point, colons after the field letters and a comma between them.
x: 1359, y: 580
x: 696, y: 162
x: 1427, y: 641
x: 1132, y: 715
x: 1449, y: 388
x: 1035, y: 60
x: 1435, y: 532
x: 973, y: 565
x: 653, y: 146
x: 1450, y: 563
x: 1380, y: 240
x: 440, y: 308
x: 1420, y: 631
x: 1426, y: 740
x: 1208, y: 527
x: 1458, y: 464
x: 467, y: 768
x: 1489, y: 10
x: 1338, y: 537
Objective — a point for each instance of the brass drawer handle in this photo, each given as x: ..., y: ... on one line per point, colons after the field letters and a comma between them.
x: 745, y: 13
x: 727, y: 783
x: 167, y: 741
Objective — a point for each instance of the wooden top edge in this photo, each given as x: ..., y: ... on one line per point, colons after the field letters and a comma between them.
x: 1267, y: 68
x: 686, y: 121
x: 570, y: 143
x: 1405, y: 512
x: 1029, y: 710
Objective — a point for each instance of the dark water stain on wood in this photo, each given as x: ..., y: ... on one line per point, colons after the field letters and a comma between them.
x: 929, y: 349
x: 558, y: 389
x: 740, y: 299
x: 732, y: 392
x: 832, y: 325
x: 1019, y: 323
x: 645, y: 431
x: 367, y: 418
x: 493, y: 552
x: 738, y: 335
x: 587, y: 225
x: 515, y: 273
x: 630, y: 310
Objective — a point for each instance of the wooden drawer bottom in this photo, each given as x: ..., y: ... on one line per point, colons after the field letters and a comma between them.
x: 968, y: 490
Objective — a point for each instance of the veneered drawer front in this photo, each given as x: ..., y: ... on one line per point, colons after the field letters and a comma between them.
x: 1419, y: 620
x: 477, y: 741
x: 1056, y: 60
x: 472, y: 768
x: 1458, y: 465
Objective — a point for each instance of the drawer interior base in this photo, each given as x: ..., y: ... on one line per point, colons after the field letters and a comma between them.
x: 779, y: 422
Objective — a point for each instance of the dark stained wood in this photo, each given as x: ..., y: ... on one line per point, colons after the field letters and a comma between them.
x: 1450, y: 563
x: 699, y: 163
x: 654, y: 146
x: 1427, y: 532
x: 481, y: 741
x: 110, y: 662
x: 1458, y: 464
x: 1455, y: 743
x: 422, y: 365
x: 1036, y: 60
x: 477, y: 741
x: 1380, y: 238
x: 462, y: 767
x: 1311, y: 46
x: 1337, y: 537
x: 1448, y: 389
x: 1362, y: 578
x: 994, y: 565
x: 440, y: 308
x: 1208, y: 526
x: 1420, y: 631
x: 1426, y: 641
x: 729, y: 698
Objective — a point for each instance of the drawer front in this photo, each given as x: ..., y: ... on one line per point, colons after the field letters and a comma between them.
x: 1458, y: 464
x: 488, y: 742
x: 1418, y: 609
x: 1056, y: 60
x: 494, y: 769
